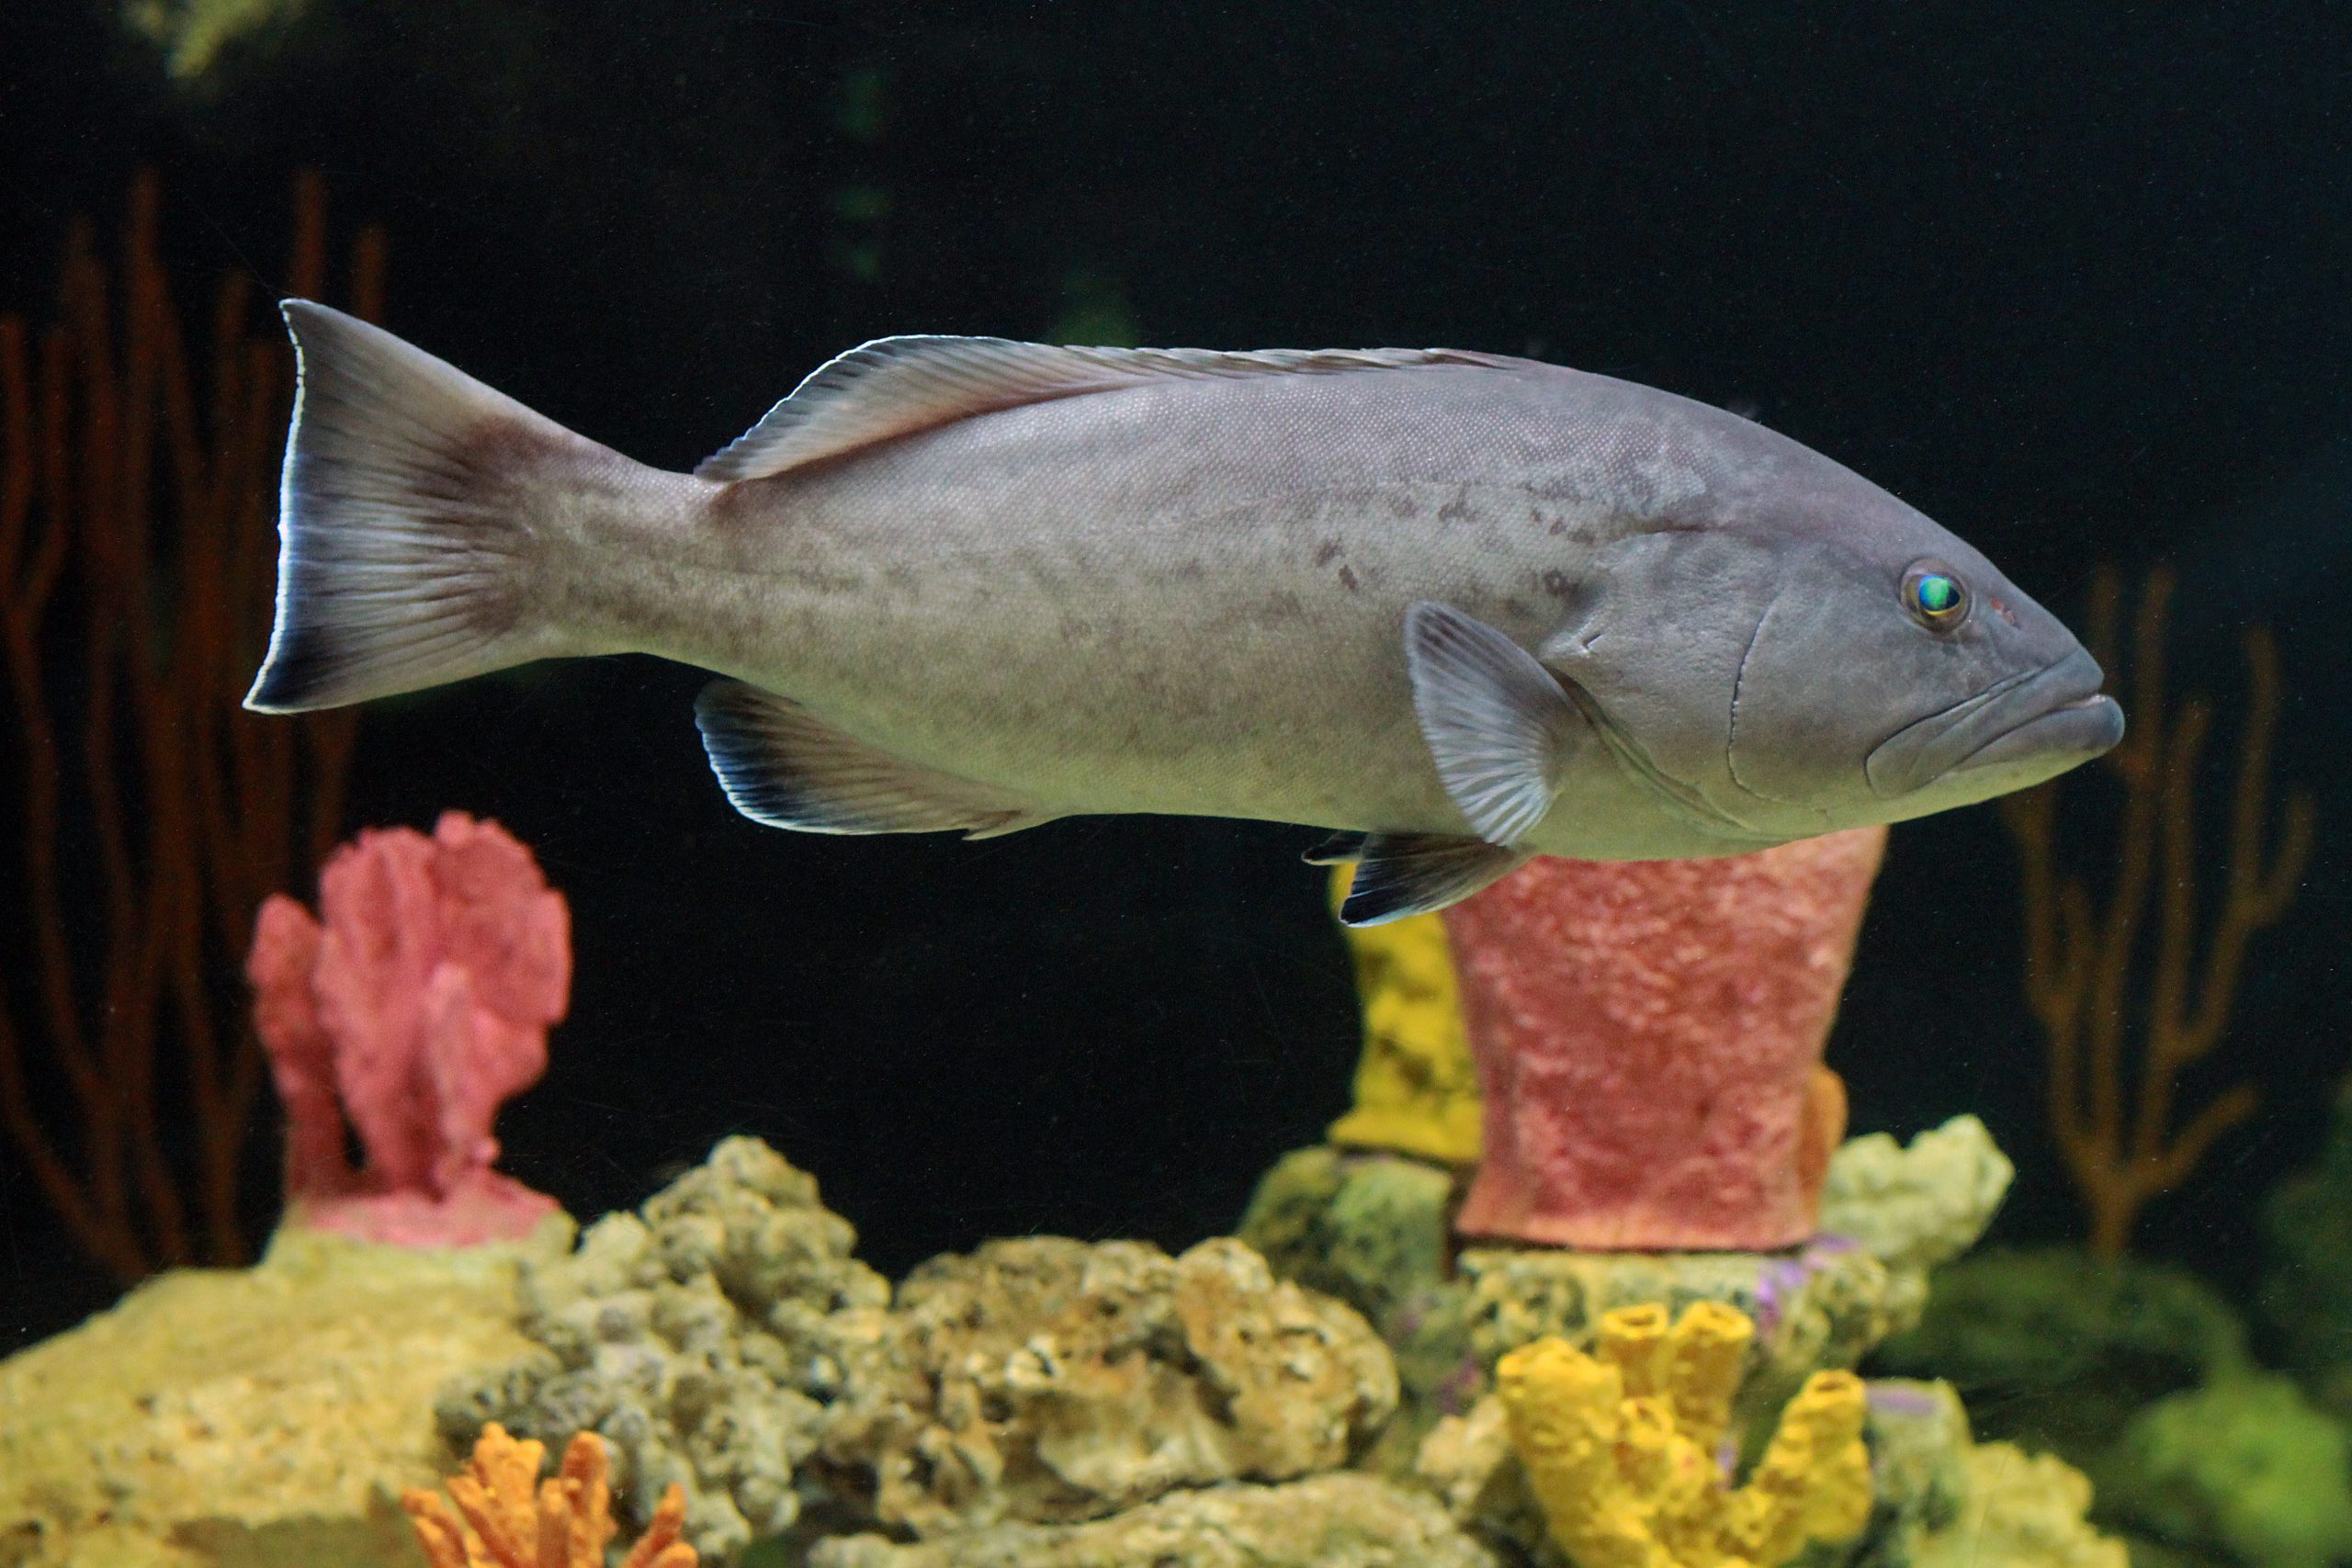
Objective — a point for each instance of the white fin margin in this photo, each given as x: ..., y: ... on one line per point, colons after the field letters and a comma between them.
x: 782, y: 765
x: 898, y: 385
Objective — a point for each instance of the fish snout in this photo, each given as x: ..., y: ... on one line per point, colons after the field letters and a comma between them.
x: 2015, y: 733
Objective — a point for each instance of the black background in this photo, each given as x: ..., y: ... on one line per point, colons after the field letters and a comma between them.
x: 2071, y: 277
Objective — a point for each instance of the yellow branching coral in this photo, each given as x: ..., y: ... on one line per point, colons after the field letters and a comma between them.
x: 1624, y: 1450
x: 1416, y: 1090
x: 507, y: 1517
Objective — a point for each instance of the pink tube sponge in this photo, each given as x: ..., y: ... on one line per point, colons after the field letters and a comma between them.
x: 1648, y: 1039
x: 404, y: 1021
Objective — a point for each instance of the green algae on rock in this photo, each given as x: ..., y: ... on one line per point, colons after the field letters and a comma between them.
x: 1365, y: 1226
x: 2305, y: 1298
x: 2022, y: 1511
x: 1347, y: 1520
x: 700, y: 1337
x: 248, y: 1418
x: 193, y: 34
x: 1919, y: 1205
x: 2057, y: 1350
x: 2245, y: 1467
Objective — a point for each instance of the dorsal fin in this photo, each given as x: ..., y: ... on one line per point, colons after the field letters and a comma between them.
x: 897, y: 386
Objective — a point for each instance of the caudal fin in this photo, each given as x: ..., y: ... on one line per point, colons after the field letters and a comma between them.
x: 404, y: 543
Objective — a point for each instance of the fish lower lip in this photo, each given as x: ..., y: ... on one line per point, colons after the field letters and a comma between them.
x: 2012, y: 721
x: 2085, y: 727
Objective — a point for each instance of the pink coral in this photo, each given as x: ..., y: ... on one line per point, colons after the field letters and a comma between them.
x: 1648, y: 1039
x: 418, y: 1008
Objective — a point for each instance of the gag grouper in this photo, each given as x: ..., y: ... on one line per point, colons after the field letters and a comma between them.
x: 1464, y: 609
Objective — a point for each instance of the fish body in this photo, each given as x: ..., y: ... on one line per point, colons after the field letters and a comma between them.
x: 1458, y: 607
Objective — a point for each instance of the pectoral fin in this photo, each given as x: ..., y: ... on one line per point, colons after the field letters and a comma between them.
x: 1497, y: 722
x: 781, y: 766
x: 1411, y: 873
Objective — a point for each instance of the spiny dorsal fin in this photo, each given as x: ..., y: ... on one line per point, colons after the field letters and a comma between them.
x: 897, y: 386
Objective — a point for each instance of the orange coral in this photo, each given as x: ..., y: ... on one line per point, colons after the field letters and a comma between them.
x: 513, y: 1519
x: 2112, y: 1108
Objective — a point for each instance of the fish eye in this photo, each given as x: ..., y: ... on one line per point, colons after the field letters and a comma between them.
x: 1936, y: 599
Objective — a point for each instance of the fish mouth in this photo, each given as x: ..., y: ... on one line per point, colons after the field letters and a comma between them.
x: 2033, y: 725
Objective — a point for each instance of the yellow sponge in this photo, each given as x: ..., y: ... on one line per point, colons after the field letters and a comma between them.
x: 1624, y: 1449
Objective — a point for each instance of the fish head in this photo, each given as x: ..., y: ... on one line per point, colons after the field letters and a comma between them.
x: 1796, y: 666
x: 1895, y: 672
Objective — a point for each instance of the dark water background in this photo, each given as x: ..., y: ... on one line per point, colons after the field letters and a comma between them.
x: 2071, y: 277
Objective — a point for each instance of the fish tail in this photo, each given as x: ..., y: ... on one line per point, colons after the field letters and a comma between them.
x: 406, y: 537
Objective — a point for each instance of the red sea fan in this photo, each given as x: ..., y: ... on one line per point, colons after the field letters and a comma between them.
x: 404, y: 1021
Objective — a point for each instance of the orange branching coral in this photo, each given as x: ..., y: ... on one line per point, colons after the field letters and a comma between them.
x: 506, y: 1517
x: 138, y: 499
x: 2080, y: 959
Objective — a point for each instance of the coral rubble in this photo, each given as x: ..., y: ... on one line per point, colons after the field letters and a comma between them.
x: 222, y: 1418
x: 505, y: 1516
x: 1052, y: 1381
x: 1648, y: 1038
x: 1345, y: 1520
x: 419, y: 1007
x: 700, y: 1337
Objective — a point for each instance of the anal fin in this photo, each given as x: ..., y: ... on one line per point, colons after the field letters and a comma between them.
x: 781, y: 766
x: 1399, y: 875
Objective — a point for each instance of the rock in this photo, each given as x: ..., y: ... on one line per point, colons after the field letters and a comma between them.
x: 1916, y: 1208
x: 2022, y: 1511
x: 254, y: 1417
x: 1327, y: 1521
x: 2305, y: 1298
x: 1821, y: 1306
x: 1919, y: 1444
x: 2057, y: 1350
x: 702, y: 1338
x: 1371, y: 1229
x: 1053, y: 1381
x: 2244, y: 1466
x: 1368, y: 1228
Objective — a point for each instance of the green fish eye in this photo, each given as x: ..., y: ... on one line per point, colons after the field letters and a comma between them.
x: 1935, y: 597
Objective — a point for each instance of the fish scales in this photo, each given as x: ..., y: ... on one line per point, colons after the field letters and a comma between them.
x: 1472, y: 608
